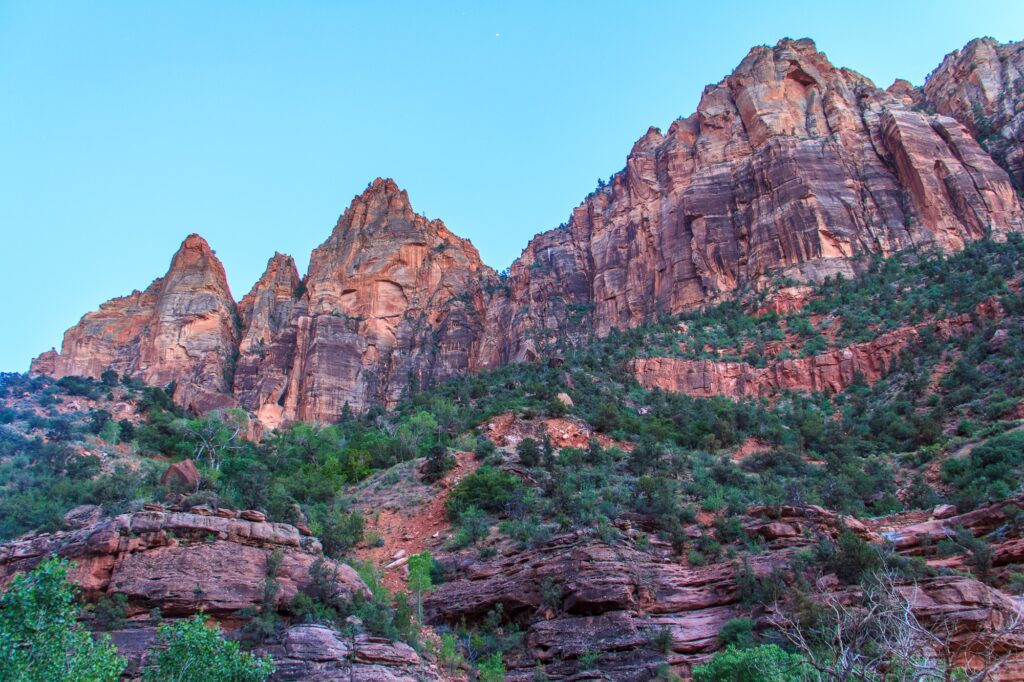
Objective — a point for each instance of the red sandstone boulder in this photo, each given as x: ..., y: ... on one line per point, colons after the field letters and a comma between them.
x: 182, y: 476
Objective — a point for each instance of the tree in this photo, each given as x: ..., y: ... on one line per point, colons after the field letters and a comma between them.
x: 215, y: 435
x: 40, y: 638
x: 529, y: 452
x: 192, y: 651
x: 419, y: 578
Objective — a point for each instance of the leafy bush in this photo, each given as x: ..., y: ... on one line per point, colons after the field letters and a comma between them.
x: 764, y: 663
x: 487, y: 489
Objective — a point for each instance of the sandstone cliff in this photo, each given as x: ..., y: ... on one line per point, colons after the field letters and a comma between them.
x: 186, y: 563
x: 181, y: 329
x: 789, y: 166
x: 982, y: 86
x: 392, y: 301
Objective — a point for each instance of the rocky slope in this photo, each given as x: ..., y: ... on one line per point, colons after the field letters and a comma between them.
x: 789, y: 166
x: 832, y: 371
x: 578, y: 597
x: 186, y: 563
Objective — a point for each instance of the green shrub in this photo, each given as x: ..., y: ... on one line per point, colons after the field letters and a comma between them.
x: 764, y: 663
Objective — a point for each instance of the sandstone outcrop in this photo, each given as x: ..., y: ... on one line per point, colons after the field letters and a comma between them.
x: 316, y: 652
x: 183, y: 563
x: 577, y: 597
x: 982, y: 86
x: 832, y: 371
x: 393, y: 301
x: 789, y: 164
x: 267, y: 347
x: 181, y: 329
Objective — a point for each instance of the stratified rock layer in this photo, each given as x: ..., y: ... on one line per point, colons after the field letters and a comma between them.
x: 392, y: 301
x: 578, y: 597
x: 832, y: 371
x: 184, y: 563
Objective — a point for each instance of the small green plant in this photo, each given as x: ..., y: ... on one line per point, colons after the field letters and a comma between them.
x: 492, y: 668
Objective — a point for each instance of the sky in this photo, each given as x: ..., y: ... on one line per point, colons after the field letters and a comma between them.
x: 125, y: 126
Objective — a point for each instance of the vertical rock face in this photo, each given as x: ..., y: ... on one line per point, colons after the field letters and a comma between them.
x: 393, y: 301
x: 181, y: 329
x: 982, y: 86
x: 268, y: 341
x: 788, y: 164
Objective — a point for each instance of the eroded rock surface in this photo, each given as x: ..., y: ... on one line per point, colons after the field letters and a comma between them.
x: 982, y: 86
x: 184, y: 563
x: 789, y: 164
x: 832, y: 371
x: 181, y: 329
x: 578, y: 597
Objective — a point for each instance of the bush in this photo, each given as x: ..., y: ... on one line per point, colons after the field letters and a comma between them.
x: 487, y: 488
x: 492, y: 668
x: 764, y: 663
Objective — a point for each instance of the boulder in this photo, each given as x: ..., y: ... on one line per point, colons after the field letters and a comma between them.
x: 182, y: 475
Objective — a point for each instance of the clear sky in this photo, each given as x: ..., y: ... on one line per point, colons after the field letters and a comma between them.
x: 126, y: 126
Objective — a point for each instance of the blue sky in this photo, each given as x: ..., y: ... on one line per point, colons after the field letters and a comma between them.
x: 126, y: 126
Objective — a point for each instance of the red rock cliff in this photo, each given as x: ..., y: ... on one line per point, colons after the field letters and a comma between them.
x: 392, y: 301
x: 982, y: 86
x: 180, y: 329
x: 788, y: 164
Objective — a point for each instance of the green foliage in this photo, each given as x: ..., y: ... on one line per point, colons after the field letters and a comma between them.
x: 492, y: 668
x: 738, y: 632
x: 850, y: 558
x: 111, y: 611
x: 193, y: 651
x: 764, y: 663
x: 488, y: 489
x: 420, y: 582
x: 40, y: 638
x: 989, y: 473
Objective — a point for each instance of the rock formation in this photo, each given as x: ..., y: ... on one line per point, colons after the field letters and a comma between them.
x: 392, y: 301
x: 982, y: 86
x: 161, y: 558
x: 577, y: 596
x: 831, y: 371
x: 184, y: 563
x: 789, y: 166
x: 181, y: 329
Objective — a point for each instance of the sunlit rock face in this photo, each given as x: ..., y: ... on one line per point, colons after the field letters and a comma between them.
x: 392, y: 301
x: 982, y: 86
x: 788, y: 164
x: 181, y: 329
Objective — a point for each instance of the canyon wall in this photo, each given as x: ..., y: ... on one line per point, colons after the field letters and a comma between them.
x: 789, y: 166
